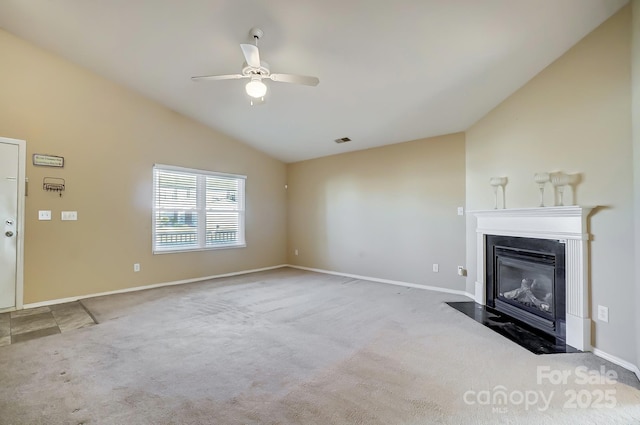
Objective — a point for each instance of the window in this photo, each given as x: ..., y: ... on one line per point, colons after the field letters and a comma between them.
x: 196, y: 210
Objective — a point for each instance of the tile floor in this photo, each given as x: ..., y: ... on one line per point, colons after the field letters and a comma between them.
x: 32, y: 323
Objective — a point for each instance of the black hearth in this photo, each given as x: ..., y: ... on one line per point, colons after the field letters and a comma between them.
x: 526, y: 281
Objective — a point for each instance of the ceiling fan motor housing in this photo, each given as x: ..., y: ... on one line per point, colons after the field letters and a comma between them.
x: 263, y: 71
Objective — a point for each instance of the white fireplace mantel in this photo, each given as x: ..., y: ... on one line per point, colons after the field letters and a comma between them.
x: 566, y: 224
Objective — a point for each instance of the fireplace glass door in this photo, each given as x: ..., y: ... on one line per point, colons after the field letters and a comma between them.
x: 527, y: 285
x: 526, y: 281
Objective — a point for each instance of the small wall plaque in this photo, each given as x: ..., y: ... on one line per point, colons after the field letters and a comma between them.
x: 48, y: 160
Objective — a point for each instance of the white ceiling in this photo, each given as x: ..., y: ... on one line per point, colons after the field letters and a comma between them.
x: 390, y: 71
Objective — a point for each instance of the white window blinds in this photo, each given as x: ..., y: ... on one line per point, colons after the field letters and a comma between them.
x: 195, y: 209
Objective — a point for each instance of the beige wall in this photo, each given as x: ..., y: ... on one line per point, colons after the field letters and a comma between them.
x: 635, y: 113
x: 110, y: 139
x: 388, y: 212
x: 574, y: 116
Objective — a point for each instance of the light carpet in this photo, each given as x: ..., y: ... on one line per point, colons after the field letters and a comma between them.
x: 295, y: 347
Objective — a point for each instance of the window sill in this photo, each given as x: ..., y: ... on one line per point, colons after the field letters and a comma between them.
x: 209, y: 248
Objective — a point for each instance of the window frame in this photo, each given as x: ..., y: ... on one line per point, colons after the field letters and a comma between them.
x: 201, y: 210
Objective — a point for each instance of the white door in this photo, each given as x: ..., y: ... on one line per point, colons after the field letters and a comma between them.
x: 11, y: 227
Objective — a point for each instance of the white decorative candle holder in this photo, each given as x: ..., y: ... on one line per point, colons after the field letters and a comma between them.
x: 497, y: 182
x: 559, y: 180
x: 573, y: 180
x: 542, y: 179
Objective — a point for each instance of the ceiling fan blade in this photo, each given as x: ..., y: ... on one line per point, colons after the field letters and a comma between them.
x: 251, y: 55
x: 295, y: 79
x: 219, y: 77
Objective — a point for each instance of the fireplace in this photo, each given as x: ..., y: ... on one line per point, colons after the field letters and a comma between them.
x: 526, y: 280
x: 566, y: 226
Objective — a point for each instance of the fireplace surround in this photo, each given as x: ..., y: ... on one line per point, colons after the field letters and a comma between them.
x: 567, y: 225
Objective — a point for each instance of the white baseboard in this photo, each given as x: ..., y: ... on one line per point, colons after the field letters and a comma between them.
x: 199, y: 279
x: 391, y: 282
x: 616, y: 360
x: 142, y: 288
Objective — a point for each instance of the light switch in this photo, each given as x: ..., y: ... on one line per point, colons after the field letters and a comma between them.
x: 69, y: 215
x: 44, y: 215
x: 603, y: 313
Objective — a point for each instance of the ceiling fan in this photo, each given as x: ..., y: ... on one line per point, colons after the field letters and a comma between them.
x: 256, y: 70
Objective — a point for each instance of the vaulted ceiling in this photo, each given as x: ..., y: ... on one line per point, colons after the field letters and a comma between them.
x: 390, y: 71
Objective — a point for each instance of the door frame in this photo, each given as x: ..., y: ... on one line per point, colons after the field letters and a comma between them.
x: 22, y: 181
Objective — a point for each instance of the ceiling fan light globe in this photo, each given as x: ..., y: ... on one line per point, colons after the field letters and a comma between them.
x: 256, y: 88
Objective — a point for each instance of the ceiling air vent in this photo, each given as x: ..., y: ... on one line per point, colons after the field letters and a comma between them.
x: 343, y: 140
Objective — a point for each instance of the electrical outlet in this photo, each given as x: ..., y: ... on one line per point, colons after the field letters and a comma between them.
x: 69, y: 215
x: 295, y: 252
x: 436, y: 268
x: 44, y: 215
x: 603, y: 313
x: 136, y: 267
x: 460, y: 210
